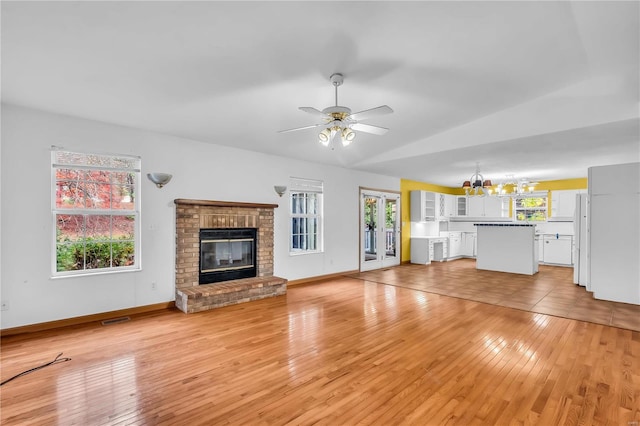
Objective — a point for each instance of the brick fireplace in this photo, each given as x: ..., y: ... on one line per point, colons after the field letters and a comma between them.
x: 195, y: 215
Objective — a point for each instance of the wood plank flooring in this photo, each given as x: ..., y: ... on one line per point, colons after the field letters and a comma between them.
x: 341, y: 352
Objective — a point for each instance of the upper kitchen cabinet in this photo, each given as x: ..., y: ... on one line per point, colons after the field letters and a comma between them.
x: 445, y: 206
x: 460, y: 208
x: 493, y: 206
x: 563, y: 204
x: 475, y: 206
x: 423, y: 206
x: 487, y: 207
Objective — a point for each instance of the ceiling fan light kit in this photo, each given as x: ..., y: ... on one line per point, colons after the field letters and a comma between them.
x: 340, y: 122
x: 324, y: 137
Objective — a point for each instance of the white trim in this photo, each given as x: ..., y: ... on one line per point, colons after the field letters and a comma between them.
x: 55, y: 148
x: 87, y: 167
x: 307, y: 187
x: 135, y: 212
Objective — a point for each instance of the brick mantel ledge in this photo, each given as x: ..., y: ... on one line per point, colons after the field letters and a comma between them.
x: 213, y: 203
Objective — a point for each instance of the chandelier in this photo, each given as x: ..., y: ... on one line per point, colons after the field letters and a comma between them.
x: 517, y: 187
x: 509, y: 187
x: 477, y: 184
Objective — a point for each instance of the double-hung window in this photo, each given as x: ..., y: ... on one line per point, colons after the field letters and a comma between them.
x: 96, y: 213
x: 306, y: 215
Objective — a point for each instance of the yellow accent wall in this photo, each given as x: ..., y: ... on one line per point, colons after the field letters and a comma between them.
x: 556, y: 185
x: 411, y: 185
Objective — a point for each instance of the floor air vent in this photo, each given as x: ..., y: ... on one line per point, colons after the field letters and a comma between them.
x: 115, y: 320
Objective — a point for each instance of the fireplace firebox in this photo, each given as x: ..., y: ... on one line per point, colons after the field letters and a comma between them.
x: 227, y: 254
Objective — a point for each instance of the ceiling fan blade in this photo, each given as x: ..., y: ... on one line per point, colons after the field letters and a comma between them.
x: 302, y: 128
x: 367, y: 128
x: 373, y: 112
x: 314, y: 111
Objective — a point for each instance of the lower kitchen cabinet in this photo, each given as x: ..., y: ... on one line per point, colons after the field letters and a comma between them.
x: 455, y: 244
x: 425, y: 250
x: 468, y: 244
x: 557, y: 249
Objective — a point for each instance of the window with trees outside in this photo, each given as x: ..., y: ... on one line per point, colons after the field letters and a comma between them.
x: 305, y: 199
x: 95, y: 210
x: 530, y: 209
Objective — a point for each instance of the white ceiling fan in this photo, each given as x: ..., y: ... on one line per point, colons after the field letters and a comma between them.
x: 339, y: 120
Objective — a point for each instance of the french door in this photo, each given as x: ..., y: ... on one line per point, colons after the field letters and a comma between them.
x: 379, y: 229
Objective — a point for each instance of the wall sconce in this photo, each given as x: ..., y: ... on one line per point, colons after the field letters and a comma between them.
x: 160, y: 179
x: 280, y: 189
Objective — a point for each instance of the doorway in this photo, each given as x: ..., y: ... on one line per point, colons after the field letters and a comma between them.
x: 379, y: 229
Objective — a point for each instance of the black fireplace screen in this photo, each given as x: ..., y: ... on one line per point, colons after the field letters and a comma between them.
x: 227, y: 254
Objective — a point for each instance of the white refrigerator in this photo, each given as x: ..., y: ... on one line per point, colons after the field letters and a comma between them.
x: 613, y: 233
x: 580, y: 246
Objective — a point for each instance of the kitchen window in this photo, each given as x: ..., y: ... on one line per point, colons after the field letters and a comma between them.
x: 305, y: 201
x: 530, y: 208
x: 95, y: 213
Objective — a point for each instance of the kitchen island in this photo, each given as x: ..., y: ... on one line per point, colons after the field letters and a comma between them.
x: 507, y: 248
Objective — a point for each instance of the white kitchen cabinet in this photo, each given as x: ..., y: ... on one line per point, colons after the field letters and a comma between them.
x: 493, y: 206
x: 487, y: 206
x: 464, y: 249
x: 420, y: 251
x: 475, y: 206
x: 460, y: 206
x: 423, y: 206
x: 540, y: 241
x: 557, y: 249
x: 455, y: 244
x: 563, y: 203
x: 445, y: 206
x: 468, y: 248
x: 425, y: 250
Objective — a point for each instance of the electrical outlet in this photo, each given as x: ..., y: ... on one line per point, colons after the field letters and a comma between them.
x: 153, y: 286
x: 4, y: 305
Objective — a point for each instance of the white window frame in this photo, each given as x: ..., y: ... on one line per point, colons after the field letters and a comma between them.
x: 544, y: 209
x: 306, y: 188
x: 135, y: 212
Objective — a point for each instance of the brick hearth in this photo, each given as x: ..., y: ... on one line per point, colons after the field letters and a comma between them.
x: 193, y: 215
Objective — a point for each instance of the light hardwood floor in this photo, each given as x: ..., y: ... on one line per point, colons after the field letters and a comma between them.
x: 342, y: 352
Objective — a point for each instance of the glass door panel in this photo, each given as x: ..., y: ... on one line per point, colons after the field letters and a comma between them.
x: 370, y: 220
x: 380, y: 233
x: 390, y: 227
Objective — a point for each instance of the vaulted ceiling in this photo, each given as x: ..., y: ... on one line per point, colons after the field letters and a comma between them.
x: 541, y: 90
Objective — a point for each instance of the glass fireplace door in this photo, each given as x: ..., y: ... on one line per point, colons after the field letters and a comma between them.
x: 223, y: 255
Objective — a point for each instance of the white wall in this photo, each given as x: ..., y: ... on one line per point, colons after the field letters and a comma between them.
x: 200, y: 171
